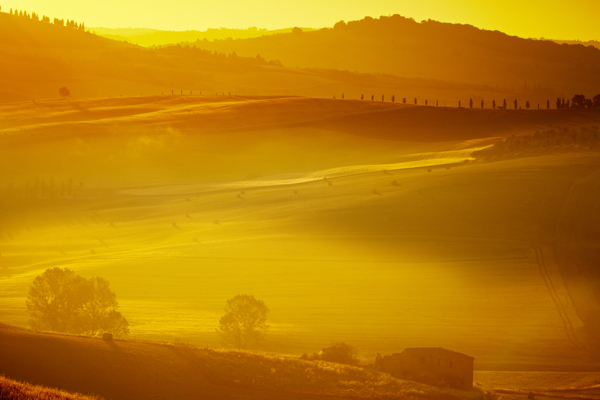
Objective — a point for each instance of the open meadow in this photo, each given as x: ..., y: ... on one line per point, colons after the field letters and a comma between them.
x: 376, y: 232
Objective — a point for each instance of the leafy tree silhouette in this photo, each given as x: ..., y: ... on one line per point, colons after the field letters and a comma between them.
x: 504, y: 104
x: 578, y: 101
x: 99, y: 312
x: 459, y: 103
x: 527, y: 105
x: 597, y: 100
x: 61, y: 301
x: 372, y: 97
x: 548, y: 104
x: 415, y: 100
x: 470, y: 103
x: 362, y: 96
x: 515, y: 102
x: 558, y: 104
x: 404, y: 100
x: 494, y: 104
x: 244, y: 322
x: 64, y: 92
x: 393, y: 98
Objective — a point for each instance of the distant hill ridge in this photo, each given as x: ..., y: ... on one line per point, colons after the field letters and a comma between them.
x: 153, y: 37
x: 430, y: 49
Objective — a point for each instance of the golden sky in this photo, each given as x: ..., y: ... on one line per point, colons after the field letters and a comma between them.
x: 556, y: 19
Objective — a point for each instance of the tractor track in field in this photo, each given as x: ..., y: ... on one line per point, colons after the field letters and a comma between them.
x: 562, y: 312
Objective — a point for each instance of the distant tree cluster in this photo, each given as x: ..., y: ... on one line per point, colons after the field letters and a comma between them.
x: 585, y: 138
x: 60, y: 22
x: 42, y: 189
x: 339, y: 352
x: 578, y: 101
x: 193, y: 54
x: 61, y: 301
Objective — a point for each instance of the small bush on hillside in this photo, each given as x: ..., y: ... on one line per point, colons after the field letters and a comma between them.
x: 340, y: 353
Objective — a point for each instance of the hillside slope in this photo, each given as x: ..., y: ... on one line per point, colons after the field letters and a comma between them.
x: 14, y: 390
x: 39, y: 58
x: 123, y: 370
x: 154, y: 37
x: 431, y: 49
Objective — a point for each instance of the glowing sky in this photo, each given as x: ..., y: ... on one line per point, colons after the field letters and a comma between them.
x: 557, y: 19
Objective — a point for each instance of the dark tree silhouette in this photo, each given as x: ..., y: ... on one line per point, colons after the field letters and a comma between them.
x: 393, y: 98
x: 381, y: 97
x: 426, y: 101
x: 578, y: 101
x: 404, y: 100
x: 482, y: 104
x: 55, y: 298
x: 470, y: 103
x: 61, y: 301
x: 597, y: 100
x: 558, y: 104
x: 527, y: 105
x: 516, y: 104
x: 459, y: 103
x: 362, y: 96
x: 64, y: 92
x: 548, y: 104
x: 342, y: 96
x: 244, y: 322
x: 415, y: 100
x: 504, y: 104
x: 494, y: 104
x: 372, y: 97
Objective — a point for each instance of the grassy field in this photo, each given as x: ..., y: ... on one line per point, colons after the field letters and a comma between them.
x: 365, y: 236
x: 13, y: 390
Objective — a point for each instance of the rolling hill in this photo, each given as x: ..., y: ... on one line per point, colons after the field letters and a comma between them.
x: 368, y: 222
x: 154, y: 37
x: 42, y: 57
x: 123, y: 370
x: 434, y: 50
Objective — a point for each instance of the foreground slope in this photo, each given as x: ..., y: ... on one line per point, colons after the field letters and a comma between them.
x: 133, y: 370
x: 14, y: 390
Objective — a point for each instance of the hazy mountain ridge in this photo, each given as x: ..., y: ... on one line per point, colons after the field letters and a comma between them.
x: 150, y: 37
x: 431, y: 49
